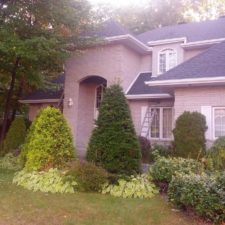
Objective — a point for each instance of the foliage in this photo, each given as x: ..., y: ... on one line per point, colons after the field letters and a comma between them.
x: 139, y: 186
x: 35, y: 39
x: 204, y: 193
x: 10, y: 162
x: 161, y: 150
x: 88, y: 176
x: 49, y: 142
x: 50, y: 181
x: 145, y: 149
x: 189, y: 135
x: 15, y: 136
x: 215, y: 159
x: 165, y: 168
x: 114, y: 144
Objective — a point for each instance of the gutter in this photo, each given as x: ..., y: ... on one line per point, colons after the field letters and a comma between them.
x: 148, y: 96
x: 186, y: 82
x: 31, y: 101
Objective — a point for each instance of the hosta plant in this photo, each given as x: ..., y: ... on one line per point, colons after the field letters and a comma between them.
x: 10, y: 162
x: 51, y: 181
x: 139, y: 186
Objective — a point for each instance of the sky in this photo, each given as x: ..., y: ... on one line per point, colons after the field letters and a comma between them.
x: 118, y: 3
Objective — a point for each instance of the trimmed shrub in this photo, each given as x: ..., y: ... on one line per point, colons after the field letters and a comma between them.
x: 203, y: 193
x: 15, y: 136
x: 189, y: 135
x: 139, y: 186
x: 49, y: 142
x: 10, y: 162
x: 165, y: 168
x: 49, y: 181
x: 114, y: 144
x: 215, y: 159
x: 88, y: 176
x: 145, y: 149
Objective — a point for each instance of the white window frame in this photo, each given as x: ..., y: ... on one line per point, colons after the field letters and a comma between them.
x: 213, y: 122
x: 161, y: 123
x: 166, y: 50
x: 96, y: 112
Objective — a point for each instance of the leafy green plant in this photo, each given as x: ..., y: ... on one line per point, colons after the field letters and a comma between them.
x: 114, y: 144
x: 88, y: 176
x: 165, y: 168
x: 161, y: 150
x: 49, y: 142
x: 139, y: 186
x: 204, y: 193
x: 189, y: 135
x: 215, y: 158
x: 10, y: 162
x: 15, y: 136
x: 50, y: 181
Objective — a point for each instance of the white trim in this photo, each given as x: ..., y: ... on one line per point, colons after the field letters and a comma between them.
x: 202, y: 43
x: 132, y: 39
x: 39, y: 101
x: 213, y: 120
x: 160, y: 52
x: 184, y: 82
x: 167, y: 41
x: 148, y: 96
x: 135, y: 79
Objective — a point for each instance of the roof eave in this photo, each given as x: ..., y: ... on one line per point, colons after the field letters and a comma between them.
x: 148, y: 96
x: 36, y: 101
x: 187, y: 82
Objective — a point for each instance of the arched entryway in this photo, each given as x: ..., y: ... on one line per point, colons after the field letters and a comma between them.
x: 91, y: 90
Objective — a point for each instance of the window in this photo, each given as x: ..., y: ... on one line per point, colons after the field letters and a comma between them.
x: 219, y: 122
x: 161, y: 126
x: 167, y: 60
x: 98, y: 98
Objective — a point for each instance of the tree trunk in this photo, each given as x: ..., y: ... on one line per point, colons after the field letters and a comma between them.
x: 8, y: 101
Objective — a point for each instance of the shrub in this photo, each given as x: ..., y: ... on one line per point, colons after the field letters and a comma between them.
x: 216, y: 155
x: 139, y: 186
x: 189, y: 135
x: 114, y: 144
x: 10, y: 162
x: 50, y: 181
x: 165, y: 168
x: 15, y: 136
x: 204, y: 193
x: 145, y: 149
x: 49, y: 142
x: 161, y: 150
x: 88, y: 176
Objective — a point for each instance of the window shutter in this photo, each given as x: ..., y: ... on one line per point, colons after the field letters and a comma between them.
x: 207, y: 112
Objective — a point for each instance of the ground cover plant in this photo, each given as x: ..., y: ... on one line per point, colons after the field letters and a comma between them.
x: 21, y: 207
x: 114, y: 144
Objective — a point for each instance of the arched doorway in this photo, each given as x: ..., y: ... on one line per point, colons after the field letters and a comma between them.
x: 91, y: 90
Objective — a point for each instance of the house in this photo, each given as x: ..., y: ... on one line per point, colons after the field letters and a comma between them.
x: 163, y: 73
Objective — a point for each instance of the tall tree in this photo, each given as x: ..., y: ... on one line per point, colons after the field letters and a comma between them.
x: 35, y: 39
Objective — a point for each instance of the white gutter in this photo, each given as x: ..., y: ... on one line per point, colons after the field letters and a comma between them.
x: 39, y: 101
x: 148, y: 96
x: 132, y: 39
x: 202, y: 43
x: 167, y: 41
x: 184, y: 82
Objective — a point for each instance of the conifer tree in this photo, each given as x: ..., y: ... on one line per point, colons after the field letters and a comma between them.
x: 114, y: 144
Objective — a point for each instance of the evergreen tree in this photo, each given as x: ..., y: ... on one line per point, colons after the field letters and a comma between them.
x: 49, y: 141
x: 114, y: 144
x: 15, y: 136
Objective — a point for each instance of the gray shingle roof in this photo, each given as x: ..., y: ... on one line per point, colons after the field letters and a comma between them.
x: 55, y: 93
x: 196, y: 31
x: 140, y: 88
x: 210, y: 63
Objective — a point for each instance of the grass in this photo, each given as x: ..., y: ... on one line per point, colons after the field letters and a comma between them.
x: 23, y: 207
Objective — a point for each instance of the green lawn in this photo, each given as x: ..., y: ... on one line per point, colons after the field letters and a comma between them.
x: 22, y: 207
